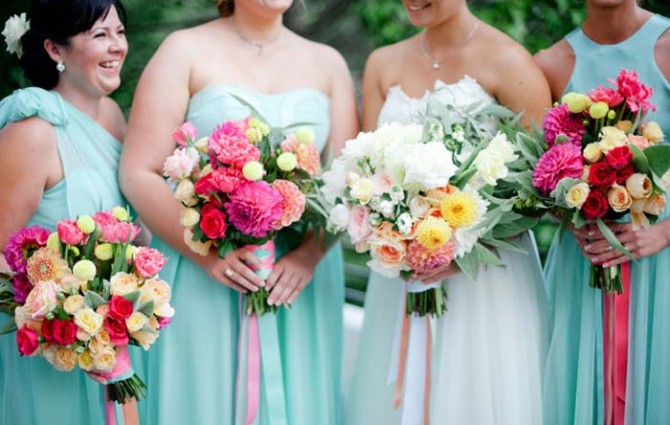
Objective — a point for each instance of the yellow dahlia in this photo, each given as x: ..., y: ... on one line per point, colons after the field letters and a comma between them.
x: 459, y: 209
x: 433, y: 232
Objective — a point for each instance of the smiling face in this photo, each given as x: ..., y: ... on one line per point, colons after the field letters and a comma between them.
x: 426, y: 13
x: 94, y: 58
x: 264, y: 7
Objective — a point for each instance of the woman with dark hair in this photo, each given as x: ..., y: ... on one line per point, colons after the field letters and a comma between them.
x: 198, y: 74
x: 63, y: 137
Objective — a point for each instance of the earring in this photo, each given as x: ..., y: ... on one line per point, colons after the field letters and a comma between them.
x: 60, y: 66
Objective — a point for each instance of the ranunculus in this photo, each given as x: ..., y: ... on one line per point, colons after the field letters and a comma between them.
x: 64, y: 331
x: 652, y: 131
x: 577, y: 195
x: 359, y: 229
x: 69, y: 233
x: 27, y: 341
x: 119, y: 308
x: 639, y: 186
x: 596, y: 205
x: 183, y: 133
x: 213, y: 222
x: 619, y: 198
x: 619, y: 157
x: 117, y: 331
x: 602, y: 175
x: 148, y: 261
x: 89, y: 320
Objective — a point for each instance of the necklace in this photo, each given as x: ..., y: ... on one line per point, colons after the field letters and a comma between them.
x: 437, y: 63
x: 260, y: 46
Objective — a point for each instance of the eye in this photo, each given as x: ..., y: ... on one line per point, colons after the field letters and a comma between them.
x: 99, y: 35
x: 122, y: 31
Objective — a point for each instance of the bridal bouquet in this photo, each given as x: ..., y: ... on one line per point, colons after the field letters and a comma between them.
x: 238, y: 190
x: 401, y: 195
x: 80, y: 295
x: 601, y: 161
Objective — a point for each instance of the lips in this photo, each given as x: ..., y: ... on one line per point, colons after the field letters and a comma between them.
x: 110, y: 65
x: 417, y: 7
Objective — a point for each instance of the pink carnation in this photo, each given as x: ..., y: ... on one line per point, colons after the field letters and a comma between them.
x: 119, y: 232
x: 185, y: 132
x: 21, y: 287
x: 231, y: 146
x: 307, y: 154
x: 559, y: 120
x: 22, y: 244
x: 148, y: 262
x: 606, y: 94
x: 422, y: 260
x: 253, y: 208
x: 561, y: 161
x: 292, y: 205
x: 69, y: 232
x: 636, y: 93
x: 226, y: 179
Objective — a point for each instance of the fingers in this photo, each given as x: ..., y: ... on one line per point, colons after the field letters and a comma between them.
x: 242, y: 274
x: 276, y: 273
x: 282, y: 288
x: 440, y: 274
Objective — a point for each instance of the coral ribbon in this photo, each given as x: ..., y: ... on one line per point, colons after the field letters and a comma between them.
x: 615, y: 341
x: 123, y: 369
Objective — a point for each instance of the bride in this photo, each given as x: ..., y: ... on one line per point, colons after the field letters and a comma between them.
x: 490, y: 345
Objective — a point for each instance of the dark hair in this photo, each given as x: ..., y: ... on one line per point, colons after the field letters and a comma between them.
x: 226, y: 7
x: 58, y: 20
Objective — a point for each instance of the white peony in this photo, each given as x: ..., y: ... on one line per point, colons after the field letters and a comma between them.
x: 15, y: 27
x: 338, y: 219
x: 428, y: 165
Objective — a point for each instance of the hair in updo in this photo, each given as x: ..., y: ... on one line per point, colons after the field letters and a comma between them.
x: 58, y: 20
x: 226, y: 7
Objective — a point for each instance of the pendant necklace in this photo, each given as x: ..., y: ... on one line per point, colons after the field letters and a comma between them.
x: 437, y: 63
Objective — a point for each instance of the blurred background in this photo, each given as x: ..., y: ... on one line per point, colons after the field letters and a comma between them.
x: 354, y: 27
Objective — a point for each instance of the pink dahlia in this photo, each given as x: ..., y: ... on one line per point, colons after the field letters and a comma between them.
x: 230, y: 145
x: 422, y: 260
x: 253, y: 208
x: 560, y: 162
x: 559, y: 120
x: 22, y: 244
x: 636, y: 93
x: 292, y: 205
x: 307, y: 154
x: 606, y: 94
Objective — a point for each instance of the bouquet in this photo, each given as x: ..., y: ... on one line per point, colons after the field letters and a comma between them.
x: 601, y: 162
x: 238, y: 190
x: 80, y: 295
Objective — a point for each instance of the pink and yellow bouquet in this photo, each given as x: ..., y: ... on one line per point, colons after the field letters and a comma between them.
x: 238, y: 190
x: 81, y: 294
x: 602, y: 161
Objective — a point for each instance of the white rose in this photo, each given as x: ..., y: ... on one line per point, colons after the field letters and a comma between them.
x: 428, y: 165
x: 339, y: 217
x: 15, y: 27
x: 363, y: 190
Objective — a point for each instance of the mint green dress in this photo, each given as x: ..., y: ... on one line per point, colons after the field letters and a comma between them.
x: 193, y: 376
x: 573, y: 388
x: 32, y: 392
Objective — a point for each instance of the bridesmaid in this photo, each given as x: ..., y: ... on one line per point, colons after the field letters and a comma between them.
x: 490, y: 345
x: 196, y: 75
x: 634, y: 39
x: 62, y: 135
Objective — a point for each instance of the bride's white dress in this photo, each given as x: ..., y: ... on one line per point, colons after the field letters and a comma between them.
x: 489, y: 347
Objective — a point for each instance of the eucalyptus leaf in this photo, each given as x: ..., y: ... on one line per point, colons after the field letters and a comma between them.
x: 469, y: 264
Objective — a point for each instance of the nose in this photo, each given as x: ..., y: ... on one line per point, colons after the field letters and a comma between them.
x: 118, y: 44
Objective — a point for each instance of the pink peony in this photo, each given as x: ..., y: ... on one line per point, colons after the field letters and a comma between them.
x: 119, y: 232
x: 559, y: 120
x: 292, y: 205
x: 22, y: 244
x: 226, y: 179
x: 636, y: 93
x: 253, y: 208
x: 230, y: 145
x: 181, y: 164
x: 606, y: 94
x: 185, y: 132
x: 561, y: 161
x: 69, y: 232
x: 307, y: 154
x: 21, y: 287
x: 422, y: 260
x: 148, y: 261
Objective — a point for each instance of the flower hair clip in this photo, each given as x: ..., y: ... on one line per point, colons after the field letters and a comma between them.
x: 15, y: 27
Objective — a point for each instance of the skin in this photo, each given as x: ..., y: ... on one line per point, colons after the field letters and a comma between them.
x: 31, y: 143
x: 502, y: 67
x: 176, y: 73
x: 625, y: 17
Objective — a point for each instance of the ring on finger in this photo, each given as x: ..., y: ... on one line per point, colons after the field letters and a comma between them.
x: 229, y: 272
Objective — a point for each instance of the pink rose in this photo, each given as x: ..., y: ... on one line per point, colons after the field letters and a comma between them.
x: 118, y: 333
x: 27, y: 341
x: 42, y: 299
x: 359, y: 229
x: 148, y: 261
x: 213, y: 222
x: 184, y: 133
x: 119, y: 308
x: 69, y: 232
x: 64, y: 332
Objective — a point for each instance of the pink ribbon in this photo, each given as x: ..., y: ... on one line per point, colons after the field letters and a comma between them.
x: 254, y: 372
x: 121, y: 368
x: 615, y: 342
x: 110, y: 412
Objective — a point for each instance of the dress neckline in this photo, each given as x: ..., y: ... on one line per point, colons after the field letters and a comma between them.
x: 438, y: 85
x: 636, y: 34
x: 85, y: 116
x: 228, y: 86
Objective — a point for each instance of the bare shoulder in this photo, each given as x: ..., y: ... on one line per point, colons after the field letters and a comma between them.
x: 113, y: 119
x: 387, y: 63
x: 184, y: 42
x: 326, y: 56
x: 556, y: 63
x: 31, y: 133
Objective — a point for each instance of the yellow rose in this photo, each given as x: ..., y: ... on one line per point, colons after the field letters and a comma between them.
x: 185, y: 192
x: 593, y: 153
x: 655, y: 205
x: 577, y: 102
x: 104, y: 360
x: 123, y: 283
x: 611, y: 138
x: 577, y: 195
x: 625, y: 126
x: 619, y: 198
x: 159, y: 291
x: 73, y: 304
x: 652, y: 131
x: 189, y: 217
x: 363, y: 190
x: 639, y: 186
x: 144, y: 338
x: 85, y: 360
x: 200, y: 248
x: 64, y: 359
x: 201, y: 145
x: 88, y: 320
x: 136, y: 321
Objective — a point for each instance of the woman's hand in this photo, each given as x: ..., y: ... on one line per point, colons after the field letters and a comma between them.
x: 439, y: 274
x: 233, y: 270
x: 293, y: 272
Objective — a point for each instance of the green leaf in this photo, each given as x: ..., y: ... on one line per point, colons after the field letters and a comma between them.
x: 486, y: 256
x: 508, y: 230
x: 225, y: 248
x: 133, y: 297
x: 93, y: 300
x: 639, y: 159
x: 613, y: 241
x: 658, y: 157
x: 507, y: 245
x: 469, y: 264
x: 90, y: 245
x: 147, y: 308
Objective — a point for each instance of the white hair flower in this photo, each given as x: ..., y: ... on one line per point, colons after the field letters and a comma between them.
x: 15, y: 27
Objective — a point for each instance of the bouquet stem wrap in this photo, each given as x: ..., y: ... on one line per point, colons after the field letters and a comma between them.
x: 410, y: 366
x: 259, y: 355
x: 615, y: 342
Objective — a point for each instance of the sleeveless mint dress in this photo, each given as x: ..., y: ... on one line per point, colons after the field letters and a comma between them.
x: 32, y: 392
x: 193, y: 377
x: 573, y: 390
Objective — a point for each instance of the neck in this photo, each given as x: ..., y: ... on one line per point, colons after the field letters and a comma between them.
x: 622, y: 21
x: 452, y: 33
x: 257, y: 29
x: 88, y: 104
